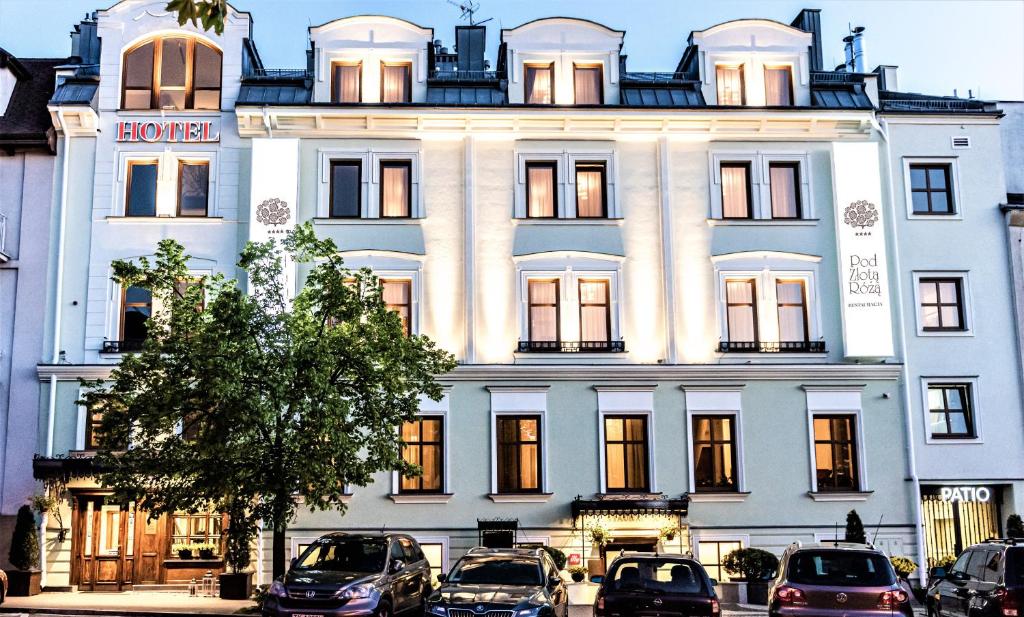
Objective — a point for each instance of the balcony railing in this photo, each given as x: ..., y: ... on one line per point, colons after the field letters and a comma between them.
x: 280, y: 73
x: 453, y: 75
x: 650, y: 77
x: 122, y: 346
x: 772, y: 346
x: 572, y: 346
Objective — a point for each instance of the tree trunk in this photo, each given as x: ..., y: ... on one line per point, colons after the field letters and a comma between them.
x: 278, y: 550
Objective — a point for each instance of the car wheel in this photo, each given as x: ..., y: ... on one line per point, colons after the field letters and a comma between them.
x: 383, y: 611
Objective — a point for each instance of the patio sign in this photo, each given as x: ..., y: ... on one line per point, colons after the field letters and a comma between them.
x: 980, y: 494
x: 860, y: 234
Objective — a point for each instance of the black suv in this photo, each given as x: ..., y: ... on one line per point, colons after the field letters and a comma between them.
x: 987, y: 580
x: 655, y: 584
x: 501, y: 582
x: 342, y: 575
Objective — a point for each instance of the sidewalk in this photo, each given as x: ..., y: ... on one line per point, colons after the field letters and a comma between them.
x: 122, y: 603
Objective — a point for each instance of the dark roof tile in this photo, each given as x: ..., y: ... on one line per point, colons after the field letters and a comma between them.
x: 26, y: 121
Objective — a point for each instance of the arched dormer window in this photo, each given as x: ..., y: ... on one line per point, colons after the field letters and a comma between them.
x: 171, y: 73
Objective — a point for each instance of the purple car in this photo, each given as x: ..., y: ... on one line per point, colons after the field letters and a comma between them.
x: 836, y: 579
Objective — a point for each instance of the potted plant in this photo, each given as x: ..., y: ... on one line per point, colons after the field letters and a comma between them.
x: 24, y: 555
x: 669, y: 532
x: 206, y: 550
x: 578, y: 573
x: 182, y: 549
x: 752, y: 568
x: 237, y: 584
x: 904, y: 566
x: 598, y: 534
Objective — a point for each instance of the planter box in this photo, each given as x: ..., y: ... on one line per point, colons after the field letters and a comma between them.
x: 236, y: 586
x: 743, y: 592
x: 23, y: 582
x: 757, y: 593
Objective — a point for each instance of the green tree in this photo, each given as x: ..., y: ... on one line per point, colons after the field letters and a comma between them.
x: 247, y: 403
x: 1014, y: 526
x: 24, y: 553
x: 855, y: 528
x: 209, y: 13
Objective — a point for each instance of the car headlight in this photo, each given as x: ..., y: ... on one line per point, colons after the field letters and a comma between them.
x: 529, y: 612
x: 356, y: 592
x: 437, y: 610
x: 277, y: 589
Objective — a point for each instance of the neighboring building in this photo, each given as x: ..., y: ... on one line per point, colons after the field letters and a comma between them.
x: 669, y: 293
x: 27, y: 142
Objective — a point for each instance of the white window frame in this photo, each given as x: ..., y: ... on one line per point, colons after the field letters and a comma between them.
x: 295, y: 541
x: 833, y: 400
x: 971, y: 381
x: 520, y: 401
x: 114, y: 312
x: 565, y: 159
x: 965, y: 291
x: 760, y: 185
x: 166, y: 182
x: 445, y: 543
x: 430, y: 409
x: 370, y: 160
x: 698, y: 537
x: 568, y: 277
x: 626, y: 401
x: 954, y: 177
x: 720, y: 401
x: 388, y: 265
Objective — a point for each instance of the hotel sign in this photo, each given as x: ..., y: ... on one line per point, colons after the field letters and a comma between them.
x: 168, y: 131
x: 860, y: 234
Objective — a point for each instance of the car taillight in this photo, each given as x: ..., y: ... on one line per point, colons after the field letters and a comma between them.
x: 1008, y: 601
x: 716, y: 608
x: 790, y: 595
x: 600, y: 601
x: 891, y: 599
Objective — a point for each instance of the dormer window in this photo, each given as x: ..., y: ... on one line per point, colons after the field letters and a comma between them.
x: 346, y: 82
x: 395, y: 82
x: 778, y: 86
x: 730, y: 84
x: 172, y: 73
x: 540, y: 84
x: 589, y: 84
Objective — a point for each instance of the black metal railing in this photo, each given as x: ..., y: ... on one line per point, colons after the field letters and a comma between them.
x: 649, y: 77
x: 454, y: 75
x: 280, y: 73
x: 772, y: 346
x: 933, y: 105
x: 572, y: 346
x: 835, y: 77
x: 125, y: 346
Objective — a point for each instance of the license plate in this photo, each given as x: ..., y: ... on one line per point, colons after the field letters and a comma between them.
x: 307, y: 615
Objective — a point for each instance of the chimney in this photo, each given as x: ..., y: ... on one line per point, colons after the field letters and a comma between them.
x: 85, y: 41
x: 848, y: 52
x: 470, y: 42
x: 887, y: 77
x: 809, y: 20
x: 858, y: 49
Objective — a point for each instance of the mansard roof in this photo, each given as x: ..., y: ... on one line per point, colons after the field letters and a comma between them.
x: 25, y: 123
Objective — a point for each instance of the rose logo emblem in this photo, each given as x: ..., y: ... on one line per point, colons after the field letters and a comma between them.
x: 272, y: 211
x: 861, y: 214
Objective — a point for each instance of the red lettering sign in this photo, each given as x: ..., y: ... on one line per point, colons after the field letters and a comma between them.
x: 575, y: 559
x: 167, y: 131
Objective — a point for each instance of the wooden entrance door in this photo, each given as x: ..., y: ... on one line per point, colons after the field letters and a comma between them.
x: 102, y: 544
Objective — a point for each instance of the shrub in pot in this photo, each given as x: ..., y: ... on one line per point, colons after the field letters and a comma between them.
x: 557, y: 556
x: 578, y: 573
x: 237, y: 584
x: 754, y: 567
x: 24, y: 555
x: 183, y: 550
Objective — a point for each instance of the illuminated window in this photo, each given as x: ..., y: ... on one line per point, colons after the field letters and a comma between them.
x: 434, y: 552
x: 942, y: 304
x: 711, y: 555
x: 540, y: 84
x: 423, y: 445
x: 785, y: 190
x: 141, y: 197
x: 395, y: 189
x: 591, y: 201
x: 835, y: 453
x: 541, y: 187
x: 396, y: 82
x: 625, y: 445
x: 543, y: 310
x: 714, y: 453
x: 398, y: 298
x: 171, y: 73
x: 741, y: 310
x: 949, y: 411
x: 730, y: 84
x: 736, y: 190
x: 93, y: 434
x: 595, y: 311
x: 193, y: 188
x: 778, y: 86
x: 201, y: 528
x: 519, y: 461
x: 346, y: 82
x: 588, y: 83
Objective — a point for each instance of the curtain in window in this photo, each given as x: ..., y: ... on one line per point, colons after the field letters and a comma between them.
x: 730, y: 85
x: 783, y: 187
x: 792, y: 314
x: 396, y: 296
x: 594, y: 311
x: 395, y: 80
x: 346, y: 83
x: 540, y: 191
x: 543, y: 310
x: 539, y: 85
x: 587, y: 81
x: 589, y: 192
x: 739, y: 296
x: 777, y: 86
x: 395, y: 187
x: 734, y: 192
x: 636, y: 454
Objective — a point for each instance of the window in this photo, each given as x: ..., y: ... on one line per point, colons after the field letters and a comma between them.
x: 395, y: 189
x: 625, y: 446
x: 205, y: 527
x: 395, y: 83
x: 595, y: 312
x: 784, y: 181
x: 736, y: 190
x: 590, y: 194
x: 792, y: 306
x: 949, y: 411
x: 730, y: 84
x: 434, y: 553
x: 714, y: 453
x: 540, y: 84
x: 942, y: 304
x: 778, y: 86
x: 588, y: 83
x: 398, y: 298
x: 423, y: 441
x: 931, y: 189
x: 541, y: 196
x: 519, y: 462
x: 835, y: 453
x: 93, y: 435
x: 346, y: 82
x: 741, y: 310
x: 141, y: 197
x: 172, y: 73
x: 346, y: 189
x: 543, y: 310
x: 193, y: 188
x: 136, y: 309
x: 711, y: 554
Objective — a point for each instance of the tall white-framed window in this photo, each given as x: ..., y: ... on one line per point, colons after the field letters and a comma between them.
x: 424, y: 439
x: 835, y: 439
x: 380, y: 183
x: 712, y: 548
x: 768, y: 302
x: 555, y: 182
x: 519, y: 450
x: 402, y: 282
x: 626, y: 439
x: 761, y: 186
x: 166, y: 183
x: 435, y: 549
x: 932, y: 188
x: 951, y: 410
x: 942, y: 303
x: 714, y: 434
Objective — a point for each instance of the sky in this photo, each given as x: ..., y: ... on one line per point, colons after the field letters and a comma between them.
x: 939, y: 45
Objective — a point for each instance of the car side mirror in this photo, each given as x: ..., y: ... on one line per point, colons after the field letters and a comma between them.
x: 597, y: 578
x: 554, y: 580
x: 937, y: 573
x: 957, y: 575
x: 397, y: 566
x: 442, y: 578
x: 714, y: 582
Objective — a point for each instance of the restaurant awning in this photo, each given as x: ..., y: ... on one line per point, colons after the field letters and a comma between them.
x: 57, y: 468
x: 630, y: 505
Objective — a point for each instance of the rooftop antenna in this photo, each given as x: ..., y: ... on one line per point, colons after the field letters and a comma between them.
x: 469, y: 9
x: 835, y: 538
x: 878, y: 527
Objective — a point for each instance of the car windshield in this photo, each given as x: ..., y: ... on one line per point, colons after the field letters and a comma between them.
x: 497, y: 571
x: 345, y: 555
x: 841, y: 569
x: 1015, y: 567
x: 657, y: 575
